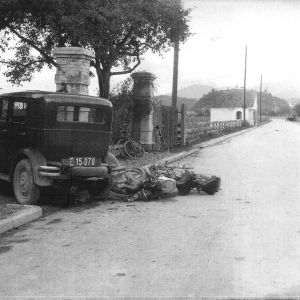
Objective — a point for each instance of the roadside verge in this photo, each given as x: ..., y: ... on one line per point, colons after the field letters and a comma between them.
x: 28, y: 213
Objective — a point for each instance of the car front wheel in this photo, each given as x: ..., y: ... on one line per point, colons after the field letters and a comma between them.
x: 25, y: 189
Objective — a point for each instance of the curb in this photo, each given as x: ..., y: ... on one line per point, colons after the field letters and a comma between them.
x: 31, y: 213
x: 178, y: 156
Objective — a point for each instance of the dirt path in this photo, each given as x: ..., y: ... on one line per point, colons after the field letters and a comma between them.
x: 241, y: 242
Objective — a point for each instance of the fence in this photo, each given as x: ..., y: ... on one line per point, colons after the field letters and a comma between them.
x: 198, y: 131
x: 193, y: 130
x: 264, y: 119
x: 167, y: 116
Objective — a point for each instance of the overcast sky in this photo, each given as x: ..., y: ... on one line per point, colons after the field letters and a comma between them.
x: 216, y: 52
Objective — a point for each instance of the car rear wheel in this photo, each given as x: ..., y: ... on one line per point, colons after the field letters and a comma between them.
x: 100, y: 189
x: 25, y: 189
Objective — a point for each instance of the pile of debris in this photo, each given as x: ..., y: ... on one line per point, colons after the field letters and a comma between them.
x: 153, y: 181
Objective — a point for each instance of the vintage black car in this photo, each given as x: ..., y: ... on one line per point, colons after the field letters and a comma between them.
x: 55, y: 139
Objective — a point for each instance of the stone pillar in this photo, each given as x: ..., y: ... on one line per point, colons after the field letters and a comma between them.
x: 73, y: 69
x: 143, y: 91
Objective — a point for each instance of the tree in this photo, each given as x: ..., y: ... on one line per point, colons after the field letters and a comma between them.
x: 119, y: 32
x: 297, y: 109
x: 121, y: 97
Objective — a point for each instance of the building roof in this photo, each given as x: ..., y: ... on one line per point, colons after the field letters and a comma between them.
x: 226, y: 99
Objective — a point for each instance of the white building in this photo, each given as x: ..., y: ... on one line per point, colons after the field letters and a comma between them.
x: 232, y: 107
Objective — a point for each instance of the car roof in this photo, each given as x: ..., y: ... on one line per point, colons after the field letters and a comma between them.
x: 58, y: 97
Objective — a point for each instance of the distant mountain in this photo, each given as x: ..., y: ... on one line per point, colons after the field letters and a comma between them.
x: 195, y: 91
x: 167, y: 100
x: 188, y: 95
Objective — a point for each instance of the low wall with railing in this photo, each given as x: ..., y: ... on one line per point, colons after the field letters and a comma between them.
x: 191, y: 130
x: 263, y: 120
x: 197, y: 131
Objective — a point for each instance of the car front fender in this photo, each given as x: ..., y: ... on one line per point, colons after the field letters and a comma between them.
x: 36, y: 159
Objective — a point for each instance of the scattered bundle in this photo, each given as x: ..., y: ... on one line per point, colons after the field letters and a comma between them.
x: 155, y: 181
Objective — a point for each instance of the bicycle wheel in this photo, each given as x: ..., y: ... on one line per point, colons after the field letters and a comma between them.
x: 134, y: 149
x: 121, y: 144
x: 163, y: 144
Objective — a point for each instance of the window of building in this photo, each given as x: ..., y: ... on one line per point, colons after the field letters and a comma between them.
x: 238, y: 115
x: 207, y: 112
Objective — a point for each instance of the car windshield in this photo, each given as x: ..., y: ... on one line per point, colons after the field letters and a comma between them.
x: 80, y: 114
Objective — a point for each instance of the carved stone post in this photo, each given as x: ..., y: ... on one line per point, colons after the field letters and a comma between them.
x: 143, y: 91
x: 73, y: 71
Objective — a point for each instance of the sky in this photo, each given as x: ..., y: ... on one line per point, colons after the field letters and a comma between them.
x: 216, y: 52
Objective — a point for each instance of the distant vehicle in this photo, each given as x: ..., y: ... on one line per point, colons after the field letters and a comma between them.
x: 55, y: 139
x: 293, y: 118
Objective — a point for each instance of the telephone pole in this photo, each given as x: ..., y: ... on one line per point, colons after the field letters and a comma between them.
x: 176, y: 59
x: 245, y: 85
x: 260, y: 99
x: 175, y: 73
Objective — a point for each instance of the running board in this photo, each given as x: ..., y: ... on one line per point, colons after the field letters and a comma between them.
x: 4, y: 177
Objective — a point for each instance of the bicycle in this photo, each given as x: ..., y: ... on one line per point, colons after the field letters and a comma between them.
x: 162, y: 141
x: 127, y: 146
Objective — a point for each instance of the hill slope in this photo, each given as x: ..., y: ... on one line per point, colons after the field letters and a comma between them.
x: 235, y: 98
x: 274, y: 106
x: 225, y: 99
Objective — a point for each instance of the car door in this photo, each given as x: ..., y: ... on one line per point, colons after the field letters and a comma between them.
x: 16, y: 137
x: 3, y: 134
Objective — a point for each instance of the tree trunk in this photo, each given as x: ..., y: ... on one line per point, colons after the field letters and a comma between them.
x: 104, y: 82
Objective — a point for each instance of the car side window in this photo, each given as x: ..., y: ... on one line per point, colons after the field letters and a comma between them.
x: 3, y: 110
x: 19, y: 112
x: 80, y: 114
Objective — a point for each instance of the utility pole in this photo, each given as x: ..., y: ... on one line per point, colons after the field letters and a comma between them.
x: 260, y: 99
x: 245, y: 85
x: 175, y: 60
x: 175, y: 73
x: 177, y: 4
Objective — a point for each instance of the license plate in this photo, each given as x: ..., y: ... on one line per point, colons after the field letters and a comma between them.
x: 81, y: 161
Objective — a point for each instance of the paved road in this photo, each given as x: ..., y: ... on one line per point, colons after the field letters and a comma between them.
x: 242, y: 242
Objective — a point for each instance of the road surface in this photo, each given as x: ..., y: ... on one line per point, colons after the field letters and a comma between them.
x: 242, y: 242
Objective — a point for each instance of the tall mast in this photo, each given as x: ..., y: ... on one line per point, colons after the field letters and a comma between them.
x: 245, y: 84
x: 260, y: 99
